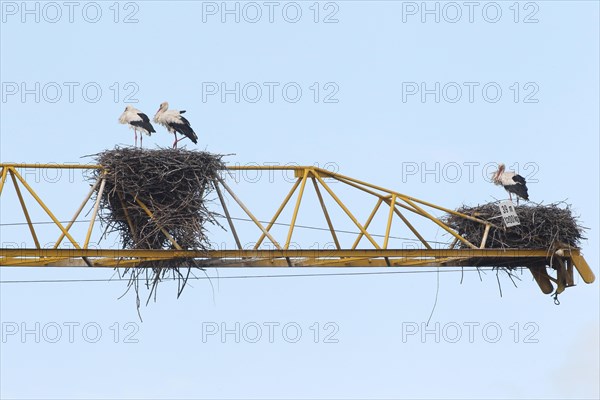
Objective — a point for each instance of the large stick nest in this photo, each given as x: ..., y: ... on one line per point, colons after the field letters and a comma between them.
x: 173, y: 185
x: 542, y: 227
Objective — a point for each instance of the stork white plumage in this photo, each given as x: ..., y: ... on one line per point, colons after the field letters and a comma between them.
x: 512, y: 182
x: 136, y: 120
x: 175, y: 123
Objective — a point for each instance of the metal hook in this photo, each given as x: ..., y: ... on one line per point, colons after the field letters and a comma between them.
x: 556, y: 301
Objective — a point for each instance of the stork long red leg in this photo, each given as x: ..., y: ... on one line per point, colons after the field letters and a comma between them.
x: 135, y: 134
x: 175, y: 142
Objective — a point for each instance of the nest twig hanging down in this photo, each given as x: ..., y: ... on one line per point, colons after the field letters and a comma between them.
x: 169, y: 184
x: 550, y: 227
x: 542, y: 227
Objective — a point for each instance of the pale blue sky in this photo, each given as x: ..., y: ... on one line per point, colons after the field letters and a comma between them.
x: 365, y: 61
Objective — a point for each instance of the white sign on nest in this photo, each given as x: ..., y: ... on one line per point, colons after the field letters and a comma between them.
x: 509, y: 214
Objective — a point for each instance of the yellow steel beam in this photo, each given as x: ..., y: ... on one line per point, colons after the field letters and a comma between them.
x: 296, y: 209
x: 31, y: 262
x: 327, y: 218
x: 540, y: 274
x: 400, y: 195
x: 582, y: 267
x: 55, y: 166
x: 83, y: 203
x: 389, y: 222
x: 249, y: 214
x: 368, y: 222
x: 3, y: 173
x: 441, y: 224
x: 282, y: 257
x: 24, y: 207
x: 412, y: 228
x: 279, y: 253
x: 352, y: 217
x: 359, y: 187
x: 45, y: 208
x: 88, y: 236
x: 301, y: 258
x: 485, y: 236
x: 225, y: 209
x: 277, y: 213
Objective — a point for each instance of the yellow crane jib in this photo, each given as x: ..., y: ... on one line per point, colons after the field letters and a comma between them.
x: 401, y: 212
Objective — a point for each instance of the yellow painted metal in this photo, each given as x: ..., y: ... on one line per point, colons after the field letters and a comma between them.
x: 352, y: 217
x: 412, y: 228
x: 399, y: 195
x: 542, y: 278
x: 359, y: 187
x: 569, y: 274
x: 561, y: 270
x: 485, y: 236
x: 83, y: 203
x: 329, y: 223
x: 410, y: 208
x: 281, y: 253
x: 268, y: 168
x: 304, y: 257
x: 249, y: 213
x: 441, y: 224
x: 389, y: 222
x: 3, y: 173
x: 52, y: 166
x: 94, y: 213
x: 227, y: 215
x: 45, y: 208
x: 582, y: 267
x: 368, y: 222
x: 32, y: 262
x: 277, y: 213
x: 24, y: 207
x: 296, y: 209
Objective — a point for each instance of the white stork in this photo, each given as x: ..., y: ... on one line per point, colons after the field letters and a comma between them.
x: 175, y: 123
x: 512, y: 182
x: 136, y: 120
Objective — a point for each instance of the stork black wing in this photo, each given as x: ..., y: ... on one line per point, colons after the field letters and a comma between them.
x: 185, y: 129
x: 518, y: 189
x: 144, y: 123
x: 519, y: 179
x: 144, y: 117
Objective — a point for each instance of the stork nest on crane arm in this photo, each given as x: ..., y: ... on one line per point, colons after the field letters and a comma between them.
x: 541, y: 227
x: 157, y: 199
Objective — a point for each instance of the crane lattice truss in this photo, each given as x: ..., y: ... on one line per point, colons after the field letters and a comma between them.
x: 399, y: 208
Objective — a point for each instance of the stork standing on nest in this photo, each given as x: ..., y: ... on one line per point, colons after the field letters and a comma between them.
x: 175, y: 123
x: 512, y: 182
x: 136, y: 120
